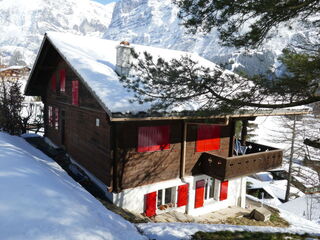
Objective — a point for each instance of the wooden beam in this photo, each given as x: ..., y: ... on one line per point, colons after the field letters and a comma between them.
x: 232, y: 136
x: 183, y: 149
x: 115, y: 162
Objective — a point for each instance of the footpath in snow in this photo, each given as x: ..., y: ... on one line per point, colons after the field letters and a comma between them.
x: 38, y: 200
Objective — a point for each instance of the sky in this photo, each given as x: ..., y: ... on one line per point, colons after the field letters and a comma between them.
x: 105, y: 1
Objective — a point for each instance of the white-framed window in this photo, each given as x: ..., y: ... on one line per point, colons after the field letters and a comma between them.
x: 212, y: 189
x: 209, y: 189
x: 166, y: 198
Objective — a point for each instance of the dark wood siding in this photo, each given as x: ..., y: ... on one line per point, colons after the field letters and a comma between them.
x: 86, y: 143
x: 192, y: 157
x: 136, y: 169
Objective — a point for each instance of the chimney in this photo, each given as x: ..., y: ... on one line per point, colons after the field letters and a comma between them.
x: 123, y: 59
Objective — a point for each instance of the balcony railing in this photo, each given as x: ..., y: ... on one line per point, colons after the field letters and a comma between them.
x: 258, y: 158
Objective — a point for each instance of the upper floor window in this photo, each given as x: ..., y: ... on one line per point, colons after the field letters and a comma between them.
x: 56, y: 119
x: 75, y: 92
x: 62, y: 76
x: 153, y: 138
x: 208, y: 138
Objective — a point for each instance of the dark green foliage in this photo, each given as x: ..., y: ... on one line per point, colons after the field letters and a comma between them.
x: 227, y: 235
x: 10, y: 106
x: 229, y: 17
x: 183, y: 81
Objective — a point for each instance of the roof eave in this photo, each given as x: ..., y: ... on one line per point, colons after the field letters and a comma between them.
x: 244, y: 115
x: 27, y: 90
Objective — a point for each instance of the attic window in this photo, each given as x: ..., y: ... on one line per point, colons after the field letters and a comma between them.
x: 208, y: 138
x: 153, y: 138
x: 62, y: 75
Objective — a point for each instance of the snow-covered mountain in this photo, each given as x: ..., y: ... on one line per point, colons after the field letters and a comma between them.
x: 23, y: 24
x: 155, y: 22
x: 148, y: 22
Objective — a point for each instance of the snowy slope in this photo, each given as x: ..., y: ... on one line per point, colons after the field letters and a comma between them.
x: 23, y: 23
x: 307, y: 207
x: 39, y: 200
x: 155, y: 23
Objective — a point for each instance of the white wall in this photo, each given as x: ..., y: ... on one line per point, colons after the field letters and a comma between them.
x: 134, y: 199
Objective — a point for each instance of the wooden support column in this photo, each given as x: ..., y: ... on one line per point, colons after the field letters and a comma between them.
x: 244, y: 132
x: 232, y: 133
x: 183, y: 149
x: 115, y: 163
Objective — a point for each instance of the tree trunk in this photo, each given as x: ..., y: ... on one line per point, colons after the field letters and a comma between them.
x: 291, y: 158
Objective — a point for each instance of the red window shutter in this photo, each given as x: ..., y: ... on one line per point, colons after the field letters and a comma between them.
x: 53, y: 83
x: 151, y: 200
x: 75, y: 92
x: 182, y: 195
x: 224, y: 190
x: 199, y: 200
x: 153, y: 138
x: 56, y: 112
x: 208, y: 138
x: 50, y: 116
x: 62, y: 80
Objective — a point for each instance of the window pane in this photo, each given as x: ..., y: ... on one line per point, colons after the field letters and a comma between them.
x: 168, y: 195
x: 159, y: 202
x: 211, y: 190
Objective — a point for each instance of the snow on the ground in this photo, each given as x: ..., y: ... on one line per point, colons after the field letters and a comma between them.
x: 307, y: 207
x: 178, y: 231
x: 38, y: 200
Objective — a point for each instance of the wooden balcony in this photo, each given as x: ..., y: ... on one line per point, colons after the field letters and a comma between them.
x: 258, y: 158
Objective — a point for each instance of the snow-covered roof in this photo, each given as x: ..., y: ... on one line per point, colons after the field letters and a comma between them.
x: 95, y: 61
x: 14, y: 68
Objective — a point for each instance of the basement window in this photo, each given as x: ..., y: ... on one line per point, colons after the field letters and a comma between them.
x: 166, y: 198
x: 209, y: 189
x: 154, y: 138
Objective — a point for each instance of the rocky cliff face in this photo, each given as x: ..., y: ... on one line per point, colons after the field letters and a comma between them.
x: 23, y: 24
x: 155, y: 22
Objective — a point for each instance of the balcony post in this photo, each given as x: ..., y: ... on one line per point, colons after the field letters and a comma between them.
x: 231, y: 142
x: 183, y: 149
x: 244, y: 132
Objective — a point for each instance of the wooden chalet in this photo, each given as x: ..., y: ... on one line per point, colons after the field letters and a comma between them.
x: 13, y: 73
x: 145, y: 163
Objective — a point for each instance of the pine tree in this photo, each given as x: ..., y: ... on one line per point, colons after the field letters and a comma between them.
x: 10, y: 106
x: 243, y: 22
x: 182, y: 81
